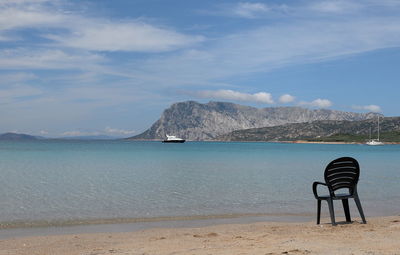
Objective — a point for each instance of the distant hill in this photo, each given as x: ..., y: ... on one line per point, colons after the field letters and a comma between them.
x: 17, y: 137
x: 195, y: 121
x: 325, y: 130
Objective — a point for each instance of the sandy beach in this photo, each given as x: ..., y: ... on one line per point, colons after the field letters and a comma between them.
x: 379, y: 236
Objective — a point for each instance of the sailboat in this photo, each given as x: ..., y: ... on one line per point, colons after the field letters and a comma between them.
x: 374, y: 141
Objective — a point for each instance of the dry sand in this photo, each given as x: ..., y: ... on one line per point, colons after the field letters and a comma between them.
x: 378, y: 236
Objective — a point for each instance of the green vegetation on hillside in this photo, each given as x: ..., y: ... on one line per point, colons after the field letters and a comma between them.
x: 322, y: 131
x: 393, y: 136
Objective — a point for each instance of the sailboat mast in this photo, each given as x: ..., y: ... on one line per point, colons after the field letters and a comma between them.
x: 378, y: 128
x: 370, y: 131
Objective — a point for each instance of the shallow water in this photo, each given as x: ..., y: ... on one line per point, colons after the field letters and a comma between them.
x: 69, y: 181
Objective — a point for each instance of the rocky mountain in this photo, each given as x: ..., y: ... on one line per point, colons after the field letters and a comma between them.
x: 314, y: 130
x: 17, y: 137
x: 195, y: 121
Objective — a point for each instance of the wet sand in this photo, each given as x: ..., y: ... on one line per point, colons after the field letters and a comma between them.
x: 379, y: 236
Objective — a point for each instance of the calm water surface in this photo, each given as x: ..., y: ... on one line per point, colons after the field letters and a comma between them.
x: 83, y: 180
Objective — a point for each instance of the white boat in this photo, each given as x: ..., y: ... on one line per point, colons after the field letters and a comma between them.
x: 173, y: 139
x: 374, y: 141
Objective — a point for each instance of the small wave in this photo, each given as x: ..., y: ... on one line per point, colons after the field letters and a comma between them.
x: 77, y: 222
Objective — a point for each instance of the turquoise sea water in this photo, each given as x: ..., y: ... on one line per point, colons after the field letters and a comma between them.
x: 84, y: 180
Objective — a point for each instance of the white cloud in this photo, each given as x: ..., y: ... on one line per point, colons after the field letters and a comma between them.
x: 113, y: 36
x: 16, y: 77
x: 260, y: 97
x: 319, y: 103
x: 271, y: 47
x: 76, y: 133
x: 14, y: 2
x: 370, y: 108
x: 26, y: 58
x: 43, y: 132
x: 88, y: 33
x: 106, y: 131
x: 335, y: 6
x: 14, y: 18
x: 286, y: 98
x: 10, y: 93
x: 275, y: 46
x: 250, y: 10
x: 81, y: 133
x: 116, y: 131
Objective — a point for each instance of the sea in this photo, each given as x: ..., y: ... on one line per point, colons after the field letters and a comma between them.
x: 60, y: 182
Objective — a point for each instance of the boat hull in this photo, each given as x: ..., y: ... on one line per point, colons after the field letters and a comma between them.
x: 375, y: 143
x: 173, y: 141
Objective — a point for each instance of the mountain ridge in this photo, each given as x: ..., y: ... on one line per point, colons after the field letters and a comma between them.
x: 196, y: 121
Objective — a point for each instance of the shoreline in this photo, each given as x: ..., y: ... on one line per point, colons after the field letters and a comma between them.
x: 103, y: 221
x: 32, y: 228
x: 379, y: 236
x: 181, y: 220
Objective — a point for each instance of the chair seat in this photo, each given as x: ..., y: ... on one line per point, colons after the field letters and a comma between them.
x: 336, y: 197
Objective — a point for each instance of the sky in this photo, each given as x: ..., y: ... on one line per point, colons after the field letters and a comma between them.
x: 81, y: 67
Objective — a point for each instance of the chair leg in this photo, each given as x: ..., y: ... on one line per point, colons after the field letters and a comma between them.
x: 360, y: 210
x: 318, y: 211
x: 346, y: 209
x: 331, y: 211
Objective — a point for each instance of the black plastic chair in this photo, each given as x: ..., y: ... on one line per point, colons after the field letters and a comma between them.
x: 342, y: 173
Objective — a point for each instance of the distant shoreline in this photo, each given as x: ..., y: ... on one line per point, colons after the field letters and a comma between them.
x: 295, y: 142
x: 160, y: 140
x: 318, y: 142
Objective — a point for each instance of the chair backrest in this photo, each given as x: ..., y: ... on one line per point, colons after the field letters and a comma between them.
x: 342, y: 173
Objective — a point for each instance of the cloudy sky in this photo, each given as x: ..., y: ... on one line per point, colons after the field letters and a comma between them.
x: 111, y: 67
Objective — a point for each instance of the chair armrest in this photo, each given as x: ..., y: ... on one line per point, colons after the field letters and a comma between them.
x: 314, y: 187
